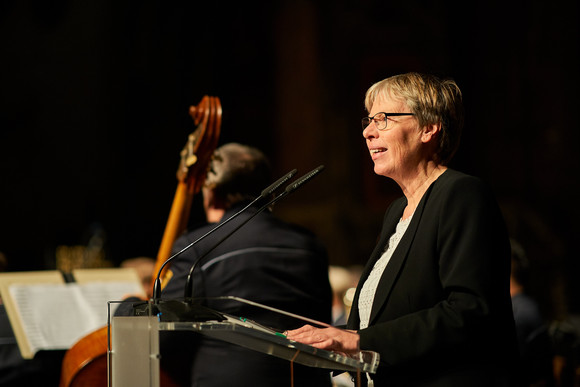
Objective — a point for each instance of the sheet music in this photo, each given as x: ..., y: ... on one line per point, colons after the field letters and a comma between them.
x: 55, y: 316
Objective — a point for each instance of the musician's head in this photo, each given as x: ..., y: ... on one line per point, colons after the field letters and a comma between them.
x: 237, y: 173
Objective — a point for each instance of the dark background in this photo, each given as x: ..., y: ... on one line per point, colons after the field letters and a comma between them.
x: 95, y: 97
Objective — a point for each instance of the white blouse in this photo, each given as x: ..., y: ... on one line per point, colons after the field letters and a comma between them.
x: 367, y: 293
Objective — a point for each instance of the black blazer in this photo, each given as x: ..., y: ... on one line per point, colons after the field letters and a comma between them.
x: 442, y: 312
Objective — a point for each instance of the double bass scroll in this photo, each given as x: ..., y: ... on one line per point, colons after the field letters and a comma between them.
x: 195, y: 158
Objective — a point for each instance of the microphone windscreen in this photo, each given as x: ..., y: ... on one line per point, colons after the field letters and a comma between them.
x: 274, y: 186
x: 294, y: 186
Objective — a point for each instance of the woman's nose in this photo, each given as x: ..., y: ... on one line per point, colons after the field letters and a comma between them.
x: 369, y: 131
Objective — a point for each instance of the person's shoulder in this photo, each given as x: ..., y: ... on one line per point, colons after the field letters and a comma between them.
x: 284, y: 230
x: 455, y: 176
x: 275, y: 222
x: 192, y: 233
x: 460, y: 195
x: 453, y: 180
x: 463, y: 192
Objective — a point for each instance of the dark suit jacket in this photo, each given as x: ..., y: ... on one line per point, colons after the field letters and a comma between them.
x: 267, y: 261
x: 442, y: 312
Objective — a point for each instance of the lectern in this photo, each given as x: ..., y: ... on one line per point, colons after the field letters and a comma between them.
x: 134, y: 352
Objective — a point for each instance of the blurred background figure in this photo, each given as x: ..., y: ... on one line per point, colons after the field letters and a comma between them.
x: 144, y: 267
x: 340, y: 281
x: 532, y: 332
x: 269, y: 261
x: 565, y: 335
x: 343, y: 281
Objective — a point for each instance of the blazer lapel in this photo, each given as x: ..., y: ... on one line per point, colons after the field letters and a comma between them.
x: 399, y: 256
x: 389, y: 225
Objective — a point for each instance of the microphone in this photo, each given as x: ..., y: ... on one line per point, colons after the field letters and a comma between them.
x: 294, y: 186
x: 263, y: 195
x: 289, y: 189
x: 277, y: 184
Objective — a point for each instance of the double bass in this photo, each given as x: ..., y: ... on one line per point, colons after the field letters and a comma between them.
x: 85, y: 363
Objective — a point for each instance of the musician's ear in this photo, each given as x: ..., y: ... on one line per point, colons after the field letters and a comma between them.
x: 208, y: 197
x: 212, y: 205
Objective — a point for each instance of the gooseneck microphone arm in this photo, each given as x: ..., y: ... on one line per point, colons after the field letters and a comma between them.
x: 264, y: 194
x: 289, y: 189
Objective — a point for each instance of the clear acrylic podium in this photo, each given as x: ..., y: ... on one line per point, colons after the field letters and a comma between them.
x: 133, y: 356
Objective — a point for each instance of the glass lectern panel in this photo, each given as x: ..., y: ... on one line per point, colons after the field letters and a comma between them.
x: 134, y: 351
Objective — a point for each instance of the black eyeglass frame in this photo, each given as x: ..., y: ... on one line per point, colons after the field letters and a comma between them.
x: 368, y: 120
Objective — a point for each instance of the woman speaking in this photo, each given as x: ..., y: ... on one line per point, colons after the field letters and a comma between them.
x: 433, y: 299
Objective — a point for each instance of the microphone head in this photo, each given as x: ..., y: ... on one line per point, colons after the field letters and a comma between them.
x: 274, y: 186
x: 294, y: 186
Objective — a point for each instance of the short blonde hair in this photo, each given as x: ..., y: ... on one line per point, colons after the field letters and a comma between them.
x: 432, y: 100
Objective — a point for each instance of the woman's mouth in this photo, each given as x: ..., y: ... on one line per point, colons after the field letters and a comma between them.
x: 377, y: 151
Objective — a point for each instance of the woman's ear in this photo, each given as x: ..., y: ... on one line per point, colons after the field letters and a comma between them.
x: 430, y: 132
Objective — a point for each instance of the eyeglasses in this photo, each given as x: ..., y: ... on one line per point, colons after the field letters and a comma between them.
x: 380, y: 119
